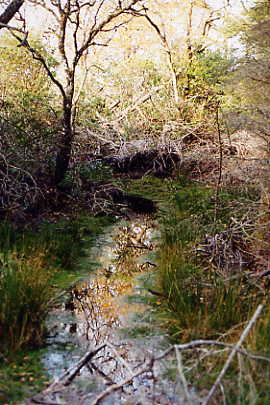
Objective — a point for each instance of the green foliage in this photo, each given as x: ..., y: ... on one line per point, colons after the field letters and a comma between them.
x: 26, y: 95
x: 199, y: 303
x: 207, y: 70
x: 201, y: 83
x: 29, y: 264
x: 247, y: 90
x: 28, y: 123
x: 24, y: 295
x: 20, y: 376
x: 90, y: 107
x: 254, y: 28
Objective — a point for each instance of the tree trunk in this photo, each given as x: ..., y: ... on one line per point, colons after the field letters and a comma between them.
x: 10, y: 11
x: 64, y: 151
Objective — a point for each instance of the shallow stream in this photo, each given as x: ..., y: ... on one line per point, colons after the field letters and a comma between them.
x: 112, y: 307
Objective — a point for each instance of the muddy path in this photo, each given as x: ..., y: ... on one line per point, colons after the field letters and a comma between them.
x: 103, y: 335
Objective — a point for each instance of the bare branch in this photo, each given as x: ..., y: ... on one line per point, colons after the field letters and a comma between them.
x: 37, y: 56
x: 166, y: 46
x: 10, y: 11
x: 140, y: 100
x: 182, y: 375
x: 11, y: 28
x: 101, y: 26
x: 233, y: 352
x: 63, y: 28
x: 96, y: 15
x: 88, y: 361
x: 146, y: 367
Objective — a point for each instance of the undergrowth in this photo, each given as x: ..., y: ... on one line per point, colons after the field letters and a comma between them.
x: 198, y: 300
x: 22, y: 375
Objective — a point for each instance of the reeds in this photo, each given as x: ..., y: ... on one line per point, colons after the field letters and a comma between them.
x: 31, y: 262
x: 25, y: 292
x: 200, y: 301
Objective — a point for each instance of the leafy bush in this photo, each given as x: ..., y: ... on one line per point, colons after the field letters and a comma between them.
x: 28, y: 123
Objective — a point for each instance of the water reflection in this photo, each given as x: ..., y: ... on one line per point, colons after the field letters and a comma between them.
x: 96, y: 311
x: 97, y: 308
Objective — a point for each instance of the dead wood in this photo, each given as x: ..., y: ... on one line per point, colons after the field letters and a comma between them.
x: 154, y: 162
x: 140, y: 100
x: 148, y: 366
x: 233, y: 352
x: 66, y: 378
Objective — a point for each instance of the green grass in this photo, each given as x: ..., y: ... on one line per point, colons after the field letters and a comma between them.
x: 199, y: 303
x: 23, y: 375
x: 25, y: 290
x: 30, y: 264
x: 33, y: 266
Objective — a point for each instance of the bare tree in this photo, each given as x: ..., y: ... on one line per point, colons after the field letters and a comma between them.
x: 192, y: 47
x: 76, y: 26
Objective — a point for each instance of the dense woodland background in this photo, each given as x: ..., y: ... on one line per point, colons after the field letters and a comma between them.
x: 91, y: 92
x: 72, y: 73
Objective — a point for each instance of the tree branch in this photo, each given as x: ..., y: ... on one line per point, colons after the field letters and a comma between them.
x: 10, y: 11
x: 233, y: 352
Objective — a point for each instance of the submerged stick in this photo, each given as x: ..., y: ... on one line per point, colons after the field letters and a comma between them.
x: 66, y: 378
x: 182, y: 375
x: 146, y: 367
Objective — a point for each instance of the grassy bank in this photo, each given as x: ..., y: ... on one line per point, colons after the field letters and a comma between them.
x: 34, y: 265
x: 207, y: 294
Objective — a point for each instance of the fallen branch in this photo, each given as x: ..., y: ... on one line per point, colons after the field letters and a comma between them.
x: 66, y: 378
x: 182, y: 375
x: 147, y: 367
x: 138, y: 102
x: 233, y: 352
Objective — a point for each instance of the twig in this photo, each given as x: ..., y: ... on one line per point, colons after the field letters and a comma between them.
x: 138, y: 247
x: 140, y: 100
x: 233, y: 352
x: 223, y: 394
x: 240, y: 377
x: 66, y: 378
x: 120, y: 358
x: 182, y: 375
x: 220, y: 163
x: 92, y: 366
x: 196, y: 343
x: 147, y: 367
x: 70, y: 374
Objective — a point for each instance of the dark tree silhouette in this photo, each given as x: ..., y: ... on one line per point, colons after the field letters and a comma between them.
x: 10, y: 12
